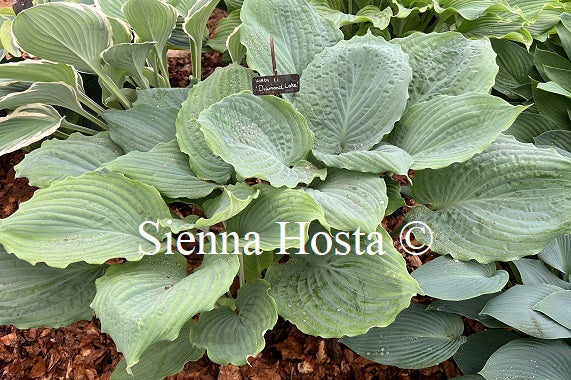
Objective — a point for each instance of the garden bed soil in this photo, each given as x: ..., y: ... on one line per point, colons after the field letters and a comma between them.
x: 82, y: 352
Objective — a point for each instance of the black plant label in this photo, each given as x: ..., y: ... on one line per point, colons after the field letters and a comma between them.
x: 275, y: 85
x: 21, y: 5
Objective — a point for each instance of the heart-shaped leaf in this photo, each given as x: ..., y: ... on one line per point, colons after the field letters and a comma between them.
x: 230, y: 203
x: 131, y: 58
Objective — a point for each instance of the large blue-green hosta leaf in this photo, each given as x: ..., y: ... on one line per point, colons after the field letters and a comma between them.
x: 34, y: 296
x: 230, y: 203
x: 299, y: 34
x: 75, y: 34
x: 41, y: 71
x: 165, y: 168
x: 335, y: 295
x: 233, y: 336
x: 448, y: 129
x: 92, y: 218
x: 515, y: 307
x: 27, y: 125
x: 503, y: 204
x: 140, y: 304
x: 222, y: 83
x: 57, y: 159
x: 557, y: 253
x: 556, y: 307
x: 262, y: 137
x: 453, y: 280
x: 533, y: 272
x: 351, y: 200
x: 448, y: 64
x: 530, y: 125
x: 342, y: 91
x: 515, y: 64
x: 469, y: 308
x: 416, y: 339
x: 469, y: 9
x: 530, y: 359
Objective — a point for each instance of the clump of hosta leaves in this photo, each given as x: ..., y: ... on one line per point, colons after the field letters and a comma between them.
x: 367, y: 106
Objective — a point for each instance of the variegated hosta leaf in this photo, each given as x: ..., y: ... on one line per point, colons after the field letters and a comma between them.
x: 558, y: 139
x: 448, y: 129
x: 141, y: 127
x: 230, y: 203
x: 299, y: 34
x: 223, y: 31
x: 515, y: 64
x: 515, y: 308
x: 57, y: 159
x: 262, y: 137
x: 557, y: 253
x: 92, y: 218
x: 111, y: 8
x: 166, y: 169
x: 448, y: 64
x: 34, y: 296
x: 334, y: 295
x: 220, y: 84
x: 26, y: 125
x: 345, y: 86
x: 470, y: 9
x: 236, y: 50
x: 273, y: 206
x: 75, y: 34
x: 534, y: 272
x: 41, y: 71
x: 406, y: 7
x: 453, y: 280
x: 530, y: 359
x: 530, y: 125
x: 507, y: 26
x: 469, y: 308
x: 233, y: 337
x: 161, y: 359
x: 195, y: 26
x: 503, y: 204
x: 131, y: 58
x: 473, y: 355
x: 140, y: 304
x: 416, y: 339
x: 555, y: 306
x: 379, y: 19
x: 351, y: 200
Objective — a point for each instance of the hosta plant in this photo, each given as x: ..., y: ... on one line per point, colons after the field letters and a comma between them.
x: 294, y: 171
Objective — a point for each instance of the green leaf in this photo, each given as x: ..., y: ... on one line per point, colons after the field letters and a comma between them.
x: 225, y: 28
x: 230, y: 203
x: 235, y: 48
x: 515, y: 308
x: 92, y: 218
x: 140, y: 304
x: 416, y: 339
x: 275, y: 205
x: 162, y: 97
x: 34, y: 296
x: 220, y: 84
x: 472, y: 355
x: 541, y: 360
x: 529, y: 125
x: 558, y: 139
x: 557, y: 253
x: 161, y: 359
x: 131, y: 58
x: 57, y: 159
x: 381, y: 158
x: 195, y: 27
x: 469, y: 308
x: 561, y: 76
x: 369, y: 14
x: 554, y: 88
x: 41, y: 71
x: 448, y: 64
x: 552, y: 105
x: 166, y: 169
x: 27, y: 125
x: 141, y: 127
x: 396, y: 200
x: 534, y: 272
x: 508, y: 210
x: 406, y: 7
x: 254, y: 265
x: 262, y: 137
x: 335, y: 295
x: 299, y: 34
x: 7, y: 39
x: 351, y: 200
x: 111, y: 8
x: 448, y: 129
x: 554, y: 307
x: 343, y: 88
x: 470, y: 9
x: 233, y: 4
x: 453, y: 280
x: 507, y: 26
x: 75, y: 34
x: 233, y: 337
x: 515, y: 64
